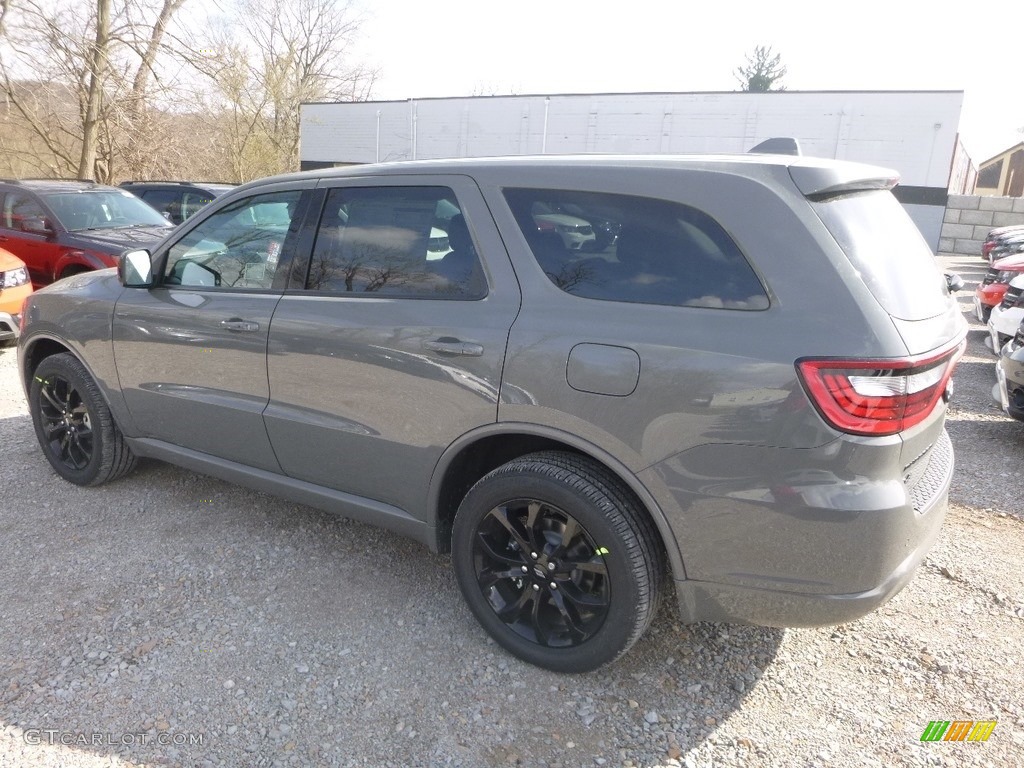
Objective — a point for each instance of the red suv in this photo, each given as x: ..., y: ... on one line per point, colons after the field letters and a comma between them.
x: 61, y: 228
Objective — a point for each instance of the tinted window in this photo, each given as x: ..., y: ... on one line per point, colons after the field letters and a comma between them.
x: 193, y: 201
x: 887, y: 250
x: 410, y: 242
x: 239, y: 246
x: 165, y: 201
x: 633, y: 249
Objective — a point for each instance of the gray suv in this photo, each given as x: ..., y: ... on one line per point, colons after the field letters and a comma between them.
x: 743, y: 389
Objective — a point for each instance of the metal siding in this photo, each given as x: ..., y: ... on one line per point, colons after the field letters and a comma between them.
x: 913, y: 132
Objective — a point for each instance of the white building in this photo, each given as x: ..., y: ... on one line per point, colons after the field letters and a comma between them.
x: 914, y: 132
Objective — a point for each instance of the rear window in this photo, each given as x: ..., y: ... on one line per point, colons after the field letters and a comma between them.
x: 634, y: 249
x: 887, y: 250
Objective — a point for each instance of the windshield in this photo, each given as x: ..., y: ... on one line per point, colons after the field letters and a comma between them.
x: 888, y: 252
x: 102, y: 209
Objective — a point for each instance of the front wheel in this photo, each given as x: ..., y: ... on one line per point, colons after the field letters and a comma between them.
x: 73, y: 424
x: 557, y: 561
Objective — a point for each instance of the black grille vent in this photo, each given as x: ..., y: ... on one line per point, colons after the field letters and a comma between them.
x: 990, y: 276
x: 934, y: 479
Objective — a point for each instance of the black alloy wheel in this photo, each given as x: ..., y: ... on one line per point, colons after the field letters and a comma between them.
x: 557, y: 560
x: 73, y: 424
x: 542, y: 573
x: 66, y: 423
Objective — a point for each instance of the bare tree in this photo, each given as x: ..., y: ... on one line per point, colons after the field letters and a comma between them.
x: 265, y: 63
x: 763, y: 71
x: 78, y: 77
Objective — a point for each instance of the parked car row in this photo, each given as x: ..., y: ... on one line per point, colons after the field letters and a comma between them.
x: 993, y: 285
x: 1009, y: 388
x: 60, y: 228
x: 1002, y: 242
x: 999, y: 302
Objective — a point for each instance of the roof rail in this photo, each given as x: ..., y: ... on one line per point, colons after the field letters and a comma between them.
x: 51, y: 178
x: 154, y: 181
x: 174, y: 181
x: 779, y: 145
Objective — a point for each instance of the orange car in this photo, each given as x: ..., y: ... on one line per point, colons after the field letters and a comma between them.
x: 14, y: 289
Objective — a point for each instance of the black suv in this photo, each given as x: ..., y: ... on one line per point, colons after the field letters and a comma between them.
x: 176, y: 200
x: 60, y: 228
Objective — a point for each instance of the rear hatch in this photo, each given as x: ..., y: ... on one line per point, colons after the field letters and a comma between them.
x: 899, y: 270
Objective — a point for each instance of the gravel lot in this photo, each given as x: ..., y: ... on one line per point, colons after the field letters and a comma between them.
x: 175, y: 608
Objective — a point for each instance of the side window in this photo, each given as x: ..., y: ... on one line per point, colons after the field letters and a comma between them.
x: 634, y: 249
x: 192, y: 202
x: 410, y: 242
x: 165, y: 201
x: 18, y: 207
x: 238, y: 247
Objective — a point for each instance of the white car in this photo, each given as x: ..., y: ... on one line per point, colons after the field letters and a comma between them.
x: 1006, y: 318
x: 574, y: 231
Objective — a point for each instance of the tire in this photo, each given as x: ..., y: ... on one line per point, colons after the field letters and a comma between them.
x: 586, y: 535
x: 72, y: 271
x: 73, y: 424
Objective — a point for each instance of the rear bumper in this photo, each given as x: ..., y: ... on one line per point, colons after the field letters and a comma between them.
x: 703, y: 601
x: 819, y: 565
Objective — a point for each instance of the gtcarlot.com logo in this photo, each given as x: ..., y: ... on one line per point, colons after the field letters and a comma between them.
x: 52, y: 737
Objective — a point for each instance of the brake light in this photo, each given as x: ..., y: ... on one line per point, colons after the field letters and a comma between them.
x: 878, y: 397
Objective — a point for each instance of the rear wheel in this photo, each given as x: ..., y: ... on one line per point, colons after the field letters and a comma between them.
x: 73, y: 424
x: 557, y: 561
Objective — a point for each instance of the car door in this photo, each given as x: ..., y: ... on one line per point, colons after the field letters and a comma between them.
x: 191, y: 351
x: 388, y: 351
x: 20, y: 211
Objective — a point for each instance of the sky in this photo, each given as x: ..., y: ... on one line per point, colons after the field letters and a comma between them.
x: 482, y: 47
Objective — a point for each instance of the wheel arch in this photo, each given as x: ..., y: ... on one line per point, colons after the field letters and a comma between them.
x: 38, y: 349
x: 478, y: 452
x: 42, y: 346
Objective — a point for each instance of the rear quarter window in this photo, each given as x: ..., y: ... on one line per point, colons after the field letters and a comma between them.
x: 888, y: 251
x: 635, y: 250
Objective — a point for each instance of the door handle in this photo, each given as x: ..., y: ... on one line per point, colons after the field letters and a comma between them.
x: 237, y: 324
x: 454, y: 347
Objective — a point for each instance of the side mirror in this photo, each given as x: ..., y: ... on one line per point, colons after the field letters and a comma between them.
x: 37, y: 225
x: 954, y: 282
x: 135, y: 269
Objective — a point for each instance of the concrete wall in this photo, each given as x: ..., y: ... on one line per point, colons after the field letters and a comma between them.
x: 968, y: 219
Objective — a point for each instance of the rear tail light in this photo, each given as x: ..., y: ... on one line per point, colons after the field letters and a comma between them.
x: 878, y: 397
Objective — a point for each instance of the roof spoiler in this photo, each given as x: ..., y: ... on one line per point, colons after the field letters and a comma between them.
x: 780, y: 145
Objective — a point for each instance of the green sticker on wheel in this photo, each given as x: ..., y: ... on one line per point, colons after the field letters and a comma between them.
x: 601, y: 551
